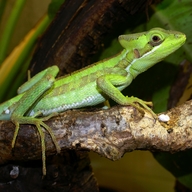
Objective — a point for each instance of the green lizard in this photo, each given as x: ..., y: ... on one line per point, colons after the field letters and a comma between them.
x: 43, y: 95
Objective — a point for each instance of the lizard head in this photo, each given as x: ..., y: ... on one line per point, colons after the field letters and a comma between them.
x: 150, y: 47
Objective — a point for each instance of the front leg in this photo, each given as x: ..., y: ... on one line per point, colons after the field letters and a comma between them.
x: 53, y: 70
x: 107, y: 84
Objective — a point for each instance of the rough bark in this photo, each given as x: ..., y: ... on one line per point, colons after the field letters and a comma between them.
x: 111, y: 133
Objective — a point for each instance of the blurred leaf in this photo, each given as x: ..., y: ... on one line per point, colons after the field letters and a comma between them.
x: 179, y: 164
x: 9, y: 28
x: 18, y: 60
x: 2, y: 8
x: 53, y: 7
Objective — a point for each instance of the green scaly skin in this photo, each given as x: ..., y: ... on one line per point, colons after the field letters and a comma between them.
x: 43, y: 95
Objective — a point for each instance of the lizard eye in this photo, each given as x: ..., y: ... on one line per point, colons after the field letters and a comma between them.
x: 156, y: 40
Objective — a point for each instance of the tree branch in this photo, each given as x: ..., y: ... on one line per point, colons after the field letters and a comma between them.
x: 111, y: 133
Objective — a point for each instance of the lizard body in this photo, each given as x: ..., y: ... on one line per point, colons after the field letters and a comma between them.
x: 43, y: 95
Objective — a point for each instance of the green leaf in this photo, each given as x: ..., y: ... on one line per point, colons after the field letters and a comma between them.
x: 54, y: 6
x: 179, y: 164
x: 9, y: 28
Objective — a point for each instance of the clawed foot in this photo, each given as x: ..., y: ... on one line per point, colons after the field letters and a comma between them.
x: 142, y: 105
